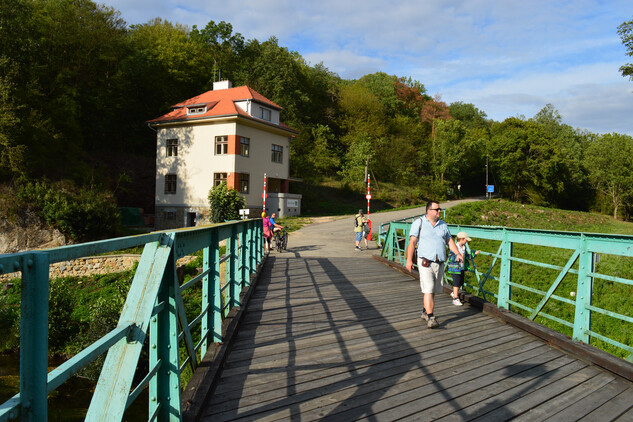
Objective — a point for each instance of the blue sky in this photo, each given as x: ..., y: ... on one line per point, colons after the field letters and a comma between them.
x: 507, y: 57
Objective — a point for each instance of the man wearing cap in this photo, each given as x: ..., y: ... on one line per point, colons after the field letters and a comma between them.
x: 359, y: 224
x: 433, y: 235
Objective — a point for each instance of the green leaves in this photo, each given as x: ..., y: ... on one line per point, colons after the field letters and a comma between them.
x: 625, y: 31
x: 81, y: 214
x: 225, y: 203
x: 608, y: 161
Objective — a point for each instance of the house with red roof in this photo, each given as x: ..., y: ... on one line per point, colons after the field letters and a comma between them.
x: 230, y: 135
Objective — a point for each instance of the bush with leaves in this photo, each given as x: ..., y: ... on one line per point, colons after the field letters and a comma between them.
x: 81, y: 214
x: 225, y: 203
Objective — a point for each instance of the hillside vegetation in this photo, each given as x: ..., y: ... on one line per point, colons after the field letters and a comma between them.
x: 500, y: 212
x: 77, y: 84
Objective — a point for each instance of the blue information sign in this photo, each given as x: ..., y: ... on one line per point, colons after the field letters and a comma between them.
x: 491, y: 188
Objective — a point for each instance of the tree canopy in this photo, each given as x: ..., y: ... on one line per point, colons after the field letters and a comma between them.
x: 625, y: 30
x: 77, y: 85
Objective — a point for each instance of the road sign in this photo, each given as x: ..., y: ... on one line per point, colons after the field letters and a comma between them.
x: 368, y: 196
x: 491, y: 188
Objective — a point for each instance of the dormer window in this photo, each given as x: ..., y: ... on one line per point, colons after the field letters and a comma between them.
x: 196, y: 110
x: 264, y: 114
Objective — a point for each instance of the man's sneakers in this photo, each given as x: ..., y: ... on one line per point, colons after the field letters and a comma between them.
x: 432, y: 321
x: 457, y: 302
x: 358, y: 248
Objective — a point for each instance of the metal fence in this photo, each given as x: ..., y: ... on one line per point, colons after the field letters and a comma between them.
x: 153, y: 311
x: 583, y: 288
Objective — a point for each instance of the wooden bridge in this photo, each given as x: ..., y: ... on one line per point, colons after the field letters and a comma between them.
x: 325, y: 332
x: 342, y: 339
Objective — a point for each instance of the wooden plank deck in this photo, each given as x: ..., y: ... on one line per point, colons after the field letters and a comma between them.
x: 341, y: 339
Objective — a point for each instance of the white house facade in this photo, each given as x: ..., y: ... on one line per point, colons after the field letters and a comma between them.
x: 230, y: 135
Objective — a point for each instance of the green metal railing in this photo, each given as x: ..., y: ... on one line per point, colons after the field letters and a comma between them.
x: 153, y: 309
x: 500, y: 283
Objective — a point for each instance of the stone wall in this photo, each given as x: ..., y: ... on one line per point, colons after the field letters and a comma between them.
x: 92, y: 265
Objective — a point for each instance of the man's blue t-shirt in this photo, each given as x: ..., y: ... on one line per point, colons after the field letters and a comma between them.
x: 431, y: 240
x: 272, y: 221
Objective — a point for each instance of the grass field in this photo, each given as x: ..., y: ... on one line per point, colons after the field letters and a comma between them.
x: 533, y: 280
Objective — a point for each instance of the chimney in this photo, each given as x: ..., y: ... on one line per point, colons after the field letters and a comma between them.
x: 222, y: 85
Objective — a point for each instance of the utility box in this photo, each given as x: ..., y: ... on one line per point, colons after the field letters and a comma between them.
x: 284, y: 204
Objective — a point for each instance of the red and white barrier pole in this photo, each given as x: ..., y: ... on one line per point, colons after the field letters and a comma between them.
x: 264, y: 195
x: 368, y: 196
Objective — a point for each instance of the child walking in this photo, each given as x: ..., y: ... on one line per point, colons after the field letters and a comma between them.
x: 457, y: 269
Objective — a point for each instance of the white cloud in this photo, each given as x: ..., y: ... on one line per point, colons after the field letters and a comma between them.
x: 507, y: 57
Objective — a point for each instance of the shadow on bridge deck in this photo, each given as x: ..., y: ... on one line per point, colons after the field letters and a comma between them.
x: 342, y: 339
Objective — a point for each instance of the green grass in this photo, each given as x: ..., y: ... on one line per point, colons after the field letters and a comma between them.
x: 332, y: 197
x: 612, y: 296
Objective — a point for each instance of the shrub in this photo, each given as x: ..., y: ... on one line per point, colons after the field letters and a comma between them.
x: 81, y: 214
x: 225, y: 203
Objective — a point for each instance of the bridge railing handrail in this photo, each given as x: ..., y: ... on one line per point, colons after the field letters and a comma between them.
x: 585, y: 247
x: 153, y: 309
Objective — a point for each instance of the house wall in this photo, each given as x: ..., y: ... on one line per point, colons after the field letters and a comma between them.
x: 196, y: 164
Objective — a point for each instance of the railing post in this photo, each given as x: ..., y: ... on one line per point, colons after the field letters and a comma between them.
x: 390, y: 241
x: 243, y: 261
x: 164, y: 391
x: 231, y: 267
x: 584, y: 290
x: 252, y: 253
x: 215, y: 286
x: 505, y: 275
x: 34, y: 337
x: 210, y: 258
x: 248, y: 268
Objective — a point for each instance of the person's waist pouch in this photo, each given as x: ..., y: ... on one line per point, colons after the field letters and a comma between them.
x: 426, y: 262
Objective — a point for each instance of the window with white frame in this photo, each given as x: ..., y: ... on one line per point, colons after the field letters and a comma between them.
x: 171, y: 181
x: 221, y: 145
x: 245, y: 145
x: 196, y: 110
x: 277, y: 153
x: 264, y: 114
x: 218, y: 178
x: 244, y: 179
x: 172, y: 147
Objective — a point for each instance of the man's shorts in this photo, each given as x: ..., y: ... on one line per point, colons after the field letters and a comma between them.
x: 431, y: 277
x: 359, y: 236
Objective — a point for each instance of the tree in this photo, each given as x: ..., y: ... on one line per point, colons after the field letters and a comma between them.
x: 224, y: 46
x: 468, y: 114
x: 359, y: 152
x: 450, y: 151
x: 625, y: 30
x: 431, y: 111
x: 224, y: 203
x: 361, y: 112
x: 608, y: 160
x: 11, y: 155
x: 527, y: 162
x: 411, y: 94
x: 322, y: 158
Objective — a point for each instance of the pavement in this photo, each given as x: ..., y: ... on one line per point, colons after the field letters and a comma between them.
x: 335, y: 237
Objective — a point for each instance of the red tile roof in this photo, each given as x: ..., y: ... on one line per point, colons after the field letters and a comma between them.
x: 219, y: 103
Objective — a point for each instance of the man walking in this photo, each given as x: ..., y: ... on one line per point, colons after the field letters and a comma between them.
x: 433, y: 236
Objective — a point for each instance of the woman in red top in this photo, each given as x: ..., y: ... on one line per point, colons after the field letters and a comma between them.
x: 268, y: 232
